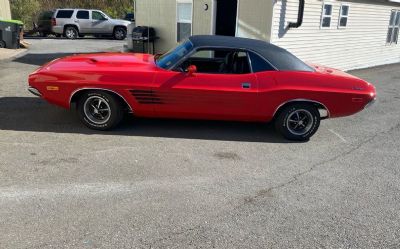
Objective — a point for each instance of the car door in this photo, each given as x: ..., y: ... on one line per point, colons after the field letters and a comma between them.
x: 100, y: 23
x: 222, y: 96
x: 82, y: 19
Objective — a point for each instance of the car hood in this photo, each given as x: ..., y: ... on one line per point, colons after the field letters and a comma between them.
x: 102, y: 60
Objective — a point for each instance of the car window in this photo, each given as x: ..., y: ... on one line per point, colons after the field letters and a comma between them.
x: 64, y: 13
x: 175, y: 55
x: 98, y: 15
x: 218, y: 61
x: 82, y: 14
x: 258, y: 64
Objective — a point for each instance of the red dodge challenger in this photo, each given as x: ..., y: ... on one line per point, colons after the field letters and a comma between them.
x: 205, y: 77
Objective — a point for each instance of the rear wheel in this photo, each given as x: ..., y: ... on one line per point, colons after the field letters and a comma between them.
x: 99, y: 110
x: 119, y: 33
x: 299, y: 121
x: 71, y: 33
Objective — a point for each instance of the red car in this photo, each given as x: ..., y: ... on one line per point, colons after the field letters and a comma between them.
x: 205, y: 77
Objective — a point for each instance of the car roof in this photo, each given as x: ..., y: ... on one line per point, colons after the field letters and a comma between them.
x: 277, y: 56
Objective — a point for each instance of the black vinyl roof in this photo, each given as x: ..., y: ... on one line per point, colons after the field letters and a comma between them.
x: 278, y: 57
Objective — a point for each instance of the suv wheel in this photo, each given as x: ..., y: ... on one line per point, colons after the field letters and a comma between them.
x: 119, y: 33
x: 71, y: 33
x: 298, y: 122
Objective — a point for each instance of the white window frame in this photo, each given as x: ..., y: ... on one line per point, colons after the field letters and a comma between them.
x: 184, y: 21
x: 325, y: 16
x: 343, y: 16
x: 393, y: 26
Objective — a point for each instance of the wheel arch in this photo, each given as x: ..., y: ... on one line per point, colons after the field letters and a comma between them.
x: 79, y: 92
x: 321, y: 107
x: 120, y: 26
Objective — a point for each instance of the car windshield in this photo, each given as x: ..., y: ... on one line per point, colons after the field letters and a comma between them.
x: 173, y: 56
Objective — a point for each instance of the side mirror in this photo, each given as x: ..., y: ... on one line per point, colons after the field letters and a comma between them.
x: 191, y: 70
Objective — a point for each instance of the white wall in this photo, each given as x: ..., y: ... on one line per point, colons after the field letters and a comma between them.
x: 5, y: 12
x: 362, y: 44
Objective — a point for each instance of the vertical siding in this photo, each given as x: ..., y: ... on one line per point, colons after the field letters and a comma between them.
x: 201, y: 17
x: 254, y: 19
x: 162, y: 16
x: 361, y: 44
x: 5, y: 12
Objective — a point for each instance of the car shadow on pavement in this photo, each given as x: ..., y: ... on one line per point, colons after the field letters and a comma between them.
x: 34, y: 114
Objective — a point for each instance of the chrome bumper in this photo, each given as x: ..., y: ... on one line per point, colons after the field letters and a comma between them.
x: 34, y: 91
x: 370, y: 103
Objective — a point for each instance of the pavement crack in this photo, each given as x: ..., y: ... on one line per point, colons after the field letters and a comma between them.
x: 268, y: 191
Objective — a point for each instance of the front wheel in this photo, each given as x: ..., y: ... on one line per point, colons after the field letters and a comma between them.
x: 119, y: 33
x: 99, y: 110
x: 298, y: 121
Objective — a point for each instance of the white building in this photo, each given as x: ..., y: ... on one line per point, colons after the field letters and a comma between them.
x: 342, y: 34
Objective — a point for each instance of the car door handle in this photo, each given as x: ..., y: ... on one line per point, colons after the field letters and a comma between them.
x: 246, y: 85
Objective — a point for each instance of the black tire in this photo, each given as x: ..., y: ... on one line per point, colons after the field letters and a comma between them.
x: 2, y: 44
x: 298, y: 121
x: 119, y: 33
x: 99, y: 119
x: 71, y: 33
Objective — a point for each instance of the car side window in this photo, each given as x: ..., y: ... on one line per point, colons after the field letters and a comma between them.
x: 218, y: 61
x: 98, y: 16
x: 258, y: 64
x: 82, y: 14
x: 64, y: 13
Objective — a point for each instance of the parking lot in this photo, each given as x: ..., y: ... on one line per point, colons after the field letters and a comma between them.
x: 193, y: 184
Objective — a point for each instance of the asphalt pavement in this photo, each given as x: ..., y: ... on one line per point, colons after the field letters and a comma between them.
x: 193, y: 184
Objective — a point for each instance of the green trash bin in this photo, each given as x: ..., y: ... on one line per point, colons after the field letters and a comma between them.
x: 9, y: 33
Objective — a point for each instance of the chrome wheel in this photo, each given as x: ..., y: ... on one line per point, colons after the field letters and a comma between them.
x: 300, y: 122
x: 119, y: 34
x: 70, y: 33
x: 97, y: 110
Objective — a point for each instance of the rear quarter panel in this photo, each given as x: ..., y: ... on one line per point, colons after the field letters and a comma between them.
x: 336, y: 92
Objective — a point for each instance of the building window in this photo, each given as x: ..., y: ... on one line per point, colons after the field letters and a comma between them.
x: 184, y: 13
x: 343, y: 16
x: 326, y: 17
x: 394, y: 25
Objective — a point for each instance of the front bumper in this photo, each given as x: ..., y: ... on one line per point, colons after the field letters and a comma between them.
x: 34, y: 91
x: 370, y: 103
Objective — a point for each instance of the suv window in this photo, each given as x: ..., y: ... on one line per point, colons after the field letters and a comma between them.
x: 82, y: 14
x: 64, y: 13
x: 98, y: 16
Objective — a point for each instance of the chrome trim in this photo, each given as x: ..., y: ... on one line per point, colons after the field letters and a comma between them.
x: 34, y: 91
x: 96, y: 88
x: 302, y: 100
x: 370, y: 103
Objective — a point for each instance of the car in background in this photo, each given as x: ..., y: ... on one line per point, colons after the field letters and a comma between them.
x: 130, y: 17
x: 74, y: 23
x: 205, y: 77
x: 43, y: 25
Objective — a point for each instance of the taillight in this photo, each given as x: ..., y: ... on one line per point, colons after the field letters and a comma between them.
x: 53, y: 22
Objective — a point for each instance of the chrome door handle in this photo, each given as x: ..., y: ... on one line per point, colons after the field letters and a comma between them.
x: 246, y: 85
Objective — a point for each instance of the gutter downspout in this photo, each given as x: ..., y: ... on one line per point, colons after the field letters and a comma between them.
x: 299, y: 16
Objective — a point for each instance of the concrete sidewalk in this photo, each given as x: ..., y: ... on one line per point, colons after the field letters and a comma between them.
x: 6, y: 53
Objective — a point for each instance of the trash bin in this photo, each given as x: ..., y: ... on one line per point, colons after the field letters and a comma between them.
x: 10, y: 33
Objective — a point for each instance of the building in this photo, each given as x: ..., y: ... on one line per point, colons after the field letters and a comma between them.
x: 342, y: 34
x: 5, y: 12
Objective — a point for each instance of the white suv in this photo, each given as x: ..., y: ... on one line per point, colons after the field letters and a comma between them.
x: 74, y: 23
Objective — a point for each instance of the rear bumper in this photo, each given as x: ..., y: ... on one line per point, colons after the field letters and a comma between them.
x: 34, y: 91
